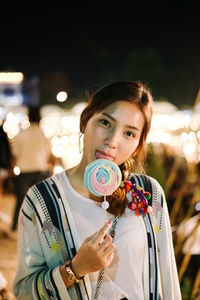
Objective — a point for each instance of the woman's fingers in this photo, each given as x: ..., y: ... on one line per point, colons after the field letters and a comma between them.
x: 95, y: 253
x: 108, y: 250
x: 106, y: 242
x: 108, y: 255
x: 99, y: 236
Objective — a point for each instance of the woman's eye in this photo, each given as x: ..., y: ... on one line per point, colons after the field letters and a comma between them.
x: 105, y: 122
x: 129, y: 133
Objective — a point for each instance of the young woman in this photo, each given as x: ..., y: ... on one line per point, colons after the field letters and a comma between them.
x: 63, y: 242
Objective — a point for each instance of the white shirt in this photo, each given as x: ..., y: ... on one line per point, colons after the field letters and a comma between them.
x: 124, y: 277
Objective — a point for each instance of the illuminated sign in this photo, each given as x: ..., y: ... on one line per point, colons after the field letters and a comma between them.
x: 11, y: 77
x: 11, y: 88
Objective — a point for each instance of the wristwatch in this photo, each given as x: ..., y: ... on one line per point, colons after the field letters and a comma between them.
x: 71, y: 275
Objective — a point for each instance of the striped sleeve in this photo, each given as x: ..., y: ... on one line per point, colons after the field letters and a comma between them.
x: 162, y: 227
x: 34, y: 279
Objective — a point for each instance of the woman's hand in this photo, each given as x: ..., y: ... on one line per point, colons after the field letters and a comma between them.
x: 95, y: 253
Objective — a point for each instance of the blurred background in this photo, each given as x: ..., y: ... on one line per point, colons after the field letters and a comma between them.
x: 55, y: 56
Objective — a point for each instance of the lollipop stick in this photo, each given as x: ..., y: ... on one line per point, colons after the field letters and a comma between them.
x: 105, y: 213
x: 105, y: 206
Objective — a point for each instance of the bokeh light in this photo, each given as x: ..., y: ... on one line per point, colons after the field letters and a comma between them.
x: 61, y: 96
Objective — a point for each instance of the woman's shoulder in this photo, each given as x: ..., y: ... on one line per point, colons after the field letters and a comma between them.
x: 151, y: 185
x: 52, y: 179
x: 143, y: 178
x: 44, y: 189
x: 147, y: 182
x: 41, y: 199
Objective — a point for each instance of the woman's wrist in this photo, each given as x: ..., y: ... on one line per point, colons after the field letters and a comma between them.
x: 65, y: 276
x: 68, y: 274
x: 76, y: 269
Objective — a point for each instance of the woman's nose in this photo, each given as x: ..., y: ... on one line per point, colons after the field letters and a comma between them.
x: 112, y: 140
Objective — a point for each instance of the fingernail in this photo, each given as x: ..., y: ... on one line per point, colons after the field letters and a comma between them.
x: 109, y: 222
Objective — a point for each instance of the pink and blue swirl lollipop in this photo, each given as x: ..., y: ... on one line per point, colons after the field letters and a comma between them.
x: 102, y: 177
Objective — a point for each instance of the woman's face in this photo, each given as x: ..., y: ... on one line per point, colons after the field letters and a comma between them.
x: 113, y: 133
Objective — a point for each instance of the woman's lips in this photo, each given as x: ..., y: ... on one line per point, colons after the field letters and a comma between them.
x: 103, y: 155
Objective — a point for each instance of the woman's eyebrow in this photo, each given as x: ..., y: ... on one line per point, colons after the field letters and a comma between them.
x: 109, y: 116
x: 112, y: 118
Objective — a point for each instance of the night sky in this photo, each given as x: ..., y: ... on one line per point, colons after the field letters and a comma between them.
x: 85, y: 40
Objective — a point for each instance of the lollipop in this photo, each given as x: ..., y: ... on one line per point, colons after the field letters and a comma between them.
x: 102, y: 177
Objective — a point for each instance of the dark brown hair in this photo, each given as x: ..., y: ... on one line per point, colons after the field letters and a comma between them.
x: 130, y: 91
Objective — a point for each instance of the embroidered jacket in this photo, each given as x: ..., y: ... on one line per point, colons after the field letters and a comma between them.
x: 47, y: 238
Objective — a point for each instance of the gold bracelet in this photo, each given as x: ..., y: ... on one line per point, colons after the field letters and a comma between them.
x: 71, y: 275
